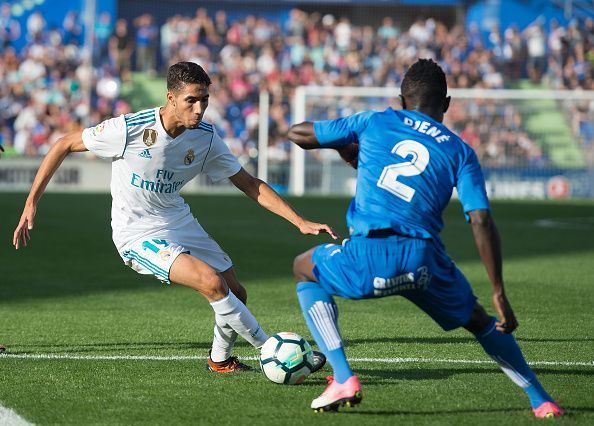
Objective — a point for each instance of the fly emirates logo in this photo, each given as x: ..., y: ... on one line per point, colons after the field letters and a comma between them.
x: 163, y: 182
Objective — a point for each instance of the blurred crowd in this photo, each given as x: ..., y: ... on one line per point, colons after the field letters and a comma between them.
x: 44, y: 88
x: 495, y: 130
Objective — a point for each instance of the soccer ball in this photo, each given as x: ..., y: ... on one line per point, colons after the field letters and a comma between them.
x: 286, y: 358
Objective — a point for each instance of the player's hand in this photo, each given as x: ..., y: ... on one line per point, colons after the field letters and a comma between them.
x: 507, y: 319
x: 313, y: 228
x: 21, y: 233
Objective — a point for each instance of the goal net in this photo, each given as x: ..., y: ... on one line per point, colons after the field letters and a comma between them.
x: 531, y: 143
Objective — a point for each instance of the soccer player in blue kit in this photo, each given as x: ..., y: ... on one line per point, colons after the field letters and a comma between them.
x: 408, y: 165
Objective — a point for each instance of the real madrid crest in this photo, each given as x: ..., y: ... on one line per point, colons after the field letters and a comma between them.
x: 189, y: 158
x: 149, y: 137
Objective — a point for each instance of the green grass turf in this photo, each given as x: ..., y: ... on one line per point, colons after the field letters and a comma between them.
x: 69, y: 293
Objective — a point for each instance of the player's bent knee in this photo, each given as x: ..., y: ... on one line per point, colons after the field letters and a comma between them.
x: 212, y: 285
x: 194, y: 273
x: 303, y: 266
x: 296, y: 265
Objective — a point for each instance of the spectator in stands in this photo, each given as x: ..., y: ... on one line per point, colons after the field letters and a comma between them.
x: 295, y: 25
x: 120, y: 50
x: 203, y: 31
x: 10, y: 28
x: 146, y: 42
x: 512, y: 53
x: 253, y: 53
x: 387, y: 30
x: 103, y: 31
x: 35, y: 27
x: 536, y: 47
x: 168, y: 37
x: 342, y: 34
x: 72, y: 28
x: 554, y: 42
x: 221, y: 26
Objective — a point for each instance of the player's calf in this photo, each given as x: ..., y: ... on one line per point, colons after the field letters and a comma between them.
x: 234, y: 285
x: 504, y: 350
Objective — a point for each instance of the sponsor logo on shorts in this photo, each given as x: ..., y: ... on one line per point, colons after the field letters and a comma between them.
x: 418, y: 280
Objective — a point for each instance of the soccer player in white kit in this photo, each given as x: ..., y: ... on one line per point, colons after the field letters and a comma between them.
x: 154, y: 153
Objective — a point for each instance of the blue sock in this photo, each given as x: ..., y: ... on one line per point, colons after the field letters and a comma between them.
x: 321, y: 315
x: 504, y: 349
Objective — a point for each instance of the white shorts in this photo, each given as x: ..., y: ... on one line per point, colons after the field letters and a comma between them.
x: 154, y: 254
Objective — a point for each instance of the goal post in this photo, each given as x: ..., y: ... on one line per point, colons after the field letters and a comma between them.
x: 297, y: 172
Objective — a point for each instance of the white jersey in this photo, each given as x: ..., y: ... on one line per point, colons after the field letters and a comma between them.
x: 150, y: 167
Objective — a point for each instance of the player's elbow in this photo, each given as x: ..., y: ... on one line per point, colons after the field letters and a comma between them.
x: 481, y: 218
x: 253, y: 188
x: 303, y: 135
x: 295, y: 136
x: 62, y: 146
x: 71, y: 142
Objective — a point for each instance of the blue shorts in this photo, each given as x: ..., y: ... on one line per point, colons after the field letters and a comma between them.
x: 417, y: 269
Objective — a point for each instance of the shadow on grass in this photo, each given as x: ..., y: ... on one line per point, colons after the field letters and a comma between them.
x: 396, y: 411
x: 111, y: 347
x: 125, y: 346
x: 453, y: 339
x: 263, y: 247
x: 570, y: 411
x: 395, y: 375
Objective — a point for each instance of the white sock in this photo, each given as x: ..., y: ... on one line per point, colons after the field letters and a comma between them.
x: 223, y: 341
x: 237, y: 316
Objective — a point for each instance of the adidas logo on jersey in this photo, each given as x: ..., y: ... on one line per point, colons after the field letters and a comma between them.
x: 145, y: 154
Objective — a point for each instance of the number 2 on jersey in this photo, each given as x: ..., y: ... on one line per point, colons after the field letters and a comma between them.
x: 389, y: 178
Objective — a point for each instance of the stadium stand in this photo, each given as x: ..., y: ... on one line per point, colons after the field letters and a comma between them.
x: 42, y: 86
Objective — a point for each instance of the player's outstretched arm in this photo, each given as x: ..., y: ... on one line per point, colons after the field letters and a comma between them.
x: 304, y: 135
x: 263, y: 194
x: 488, y: 244
x: 72, y: 142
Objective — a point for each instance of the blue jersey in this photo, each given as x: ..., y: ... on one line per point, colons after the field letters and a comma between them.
x: 408, y: 166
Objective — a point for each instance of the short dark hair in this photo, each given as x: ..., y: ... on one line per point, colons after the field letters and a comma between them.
x: 424, y: 83
x: 184, y: 73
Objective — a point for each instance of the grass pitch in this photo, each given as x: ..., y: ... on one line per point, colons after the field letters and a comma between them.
x: 69, y: 295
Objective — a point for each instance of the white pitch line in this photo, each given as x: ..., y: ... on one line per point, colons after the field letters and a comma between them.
x: 50, y: 356
x: 9, y: 418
